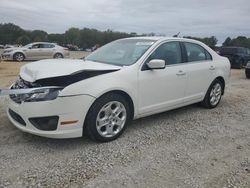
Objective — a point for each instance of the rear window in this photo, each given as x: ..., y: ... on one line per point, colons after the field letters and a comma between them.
x: 196, y: 52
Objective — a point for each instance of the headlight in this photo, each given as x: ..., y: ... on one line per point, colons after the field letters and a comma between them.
x: 23, y: 91
x: 7, y: 51
x: 45, y: 94
x: 32, y: 94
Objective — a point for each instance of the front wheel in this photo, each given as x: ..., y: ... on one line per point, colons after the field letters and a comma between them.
x: 18, y: 57
x: 107, y: 118
x: 213, y: 95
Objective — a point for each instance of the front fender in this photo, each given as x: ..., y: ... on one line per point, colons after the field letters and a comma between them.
x: 122, y: 80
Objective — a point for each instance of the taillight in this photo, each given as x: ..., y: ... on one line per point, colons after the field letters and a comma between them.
x: 66, y: 49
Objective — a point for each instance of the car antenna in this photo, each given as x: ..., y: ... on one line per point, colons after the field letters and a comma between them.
x: 176, y: 35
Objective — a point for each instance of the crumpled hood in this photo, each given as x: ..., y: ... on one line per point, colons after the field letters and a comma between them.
x: 60, y: 67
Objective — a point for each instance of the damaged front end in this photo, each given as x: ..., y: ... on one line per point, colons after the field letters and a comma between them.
x: 46, y: 89
x: 23, y: 91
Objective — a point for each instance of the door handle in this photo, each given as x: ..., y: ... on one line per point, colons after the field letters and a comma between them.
x: 180, y: 73
x: 212, y: 68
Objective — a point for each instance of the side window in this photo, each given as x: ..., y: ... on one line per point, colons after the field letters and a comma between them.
x: 170, y: 52
x: 35, y: 46
x: 47, y: 46
x: 196, y: 53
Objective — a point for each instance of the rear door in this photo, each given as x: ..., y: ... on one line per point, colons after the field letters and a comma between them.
x: 201, y: 71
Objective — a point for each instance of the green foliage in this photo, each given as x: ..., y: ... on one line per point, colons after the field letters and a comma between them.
x: 240, y: 41
x: 227, y: 42
x: 38, y: 36
x: 9, y: 33
x: 85, y: 38
x: 210, y: 41
x: 24, y: 39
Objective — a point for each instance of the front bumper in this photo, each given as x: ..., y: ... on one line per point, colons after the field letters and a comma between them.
x: 67, y: 109
x: 7, y: 56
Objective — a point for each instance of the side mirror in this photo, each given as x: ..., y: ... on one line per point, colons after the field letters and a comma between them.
x: 30, y: 47
x: 156, y: 64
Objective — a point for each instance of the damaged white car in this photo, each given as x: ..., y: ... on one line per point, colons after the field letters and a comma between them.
x: 124, y: 80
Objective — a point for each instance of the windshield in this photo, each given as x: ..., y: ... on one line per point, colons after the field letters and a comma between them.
x: 27, y: 46
x: 121, y: 52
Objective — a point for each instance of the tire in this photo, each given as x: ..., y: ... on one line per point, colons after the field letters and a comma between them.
x: 212, y: 99
x: 241, y: 64
x: 101, y: 123
x: 247, y: 71
x: 58, y: 56
x: 18, y: 57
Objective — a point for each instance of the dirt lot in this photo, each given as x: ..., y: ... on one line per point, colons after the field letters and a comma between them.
x: 187, y: 147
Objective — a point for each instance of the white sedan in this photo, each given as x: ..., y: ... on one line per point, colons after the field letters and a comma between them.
x: 124, y: 80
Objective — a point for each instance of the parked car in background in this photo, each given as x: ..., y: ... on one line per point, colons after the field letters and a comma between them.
x: 95, y: 47
x: 237, y: 56
x: 123, y: 80
x: 88, y: 50
x: 247, y: 71
x: 1, y: 46
x: 72, y: 47
x: 35, y: 51
x: 8, y: 46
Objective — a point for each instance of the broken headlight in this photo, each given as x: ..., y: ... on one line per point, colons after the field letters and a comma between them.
x: 43, y: 94
x: 32, y: 94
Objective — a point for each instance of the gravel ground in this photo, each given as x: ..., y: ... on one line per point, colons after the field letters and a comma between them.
x: 188, y: 147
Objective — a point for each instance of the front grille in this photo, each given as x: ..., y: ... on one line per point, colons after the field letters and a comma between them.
x: 17, y: 117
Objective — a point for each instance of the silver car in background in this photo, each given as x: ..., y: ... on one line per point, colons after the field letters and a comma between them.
x: 35, y: 51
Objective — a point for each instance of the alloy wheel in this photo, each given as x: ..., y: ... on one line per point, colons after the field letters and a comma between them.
x: 58, y: 56
x: 215, y: 94
x: 19, y: 57
x: 111, y: 119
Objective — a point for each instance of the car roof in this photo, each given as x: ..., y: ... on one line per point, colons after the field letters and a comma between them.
x: 42, y: 43
x: 165, y: 38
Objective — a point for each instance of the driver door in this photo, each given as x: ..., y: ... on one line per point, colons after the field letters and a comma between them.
x: 34, y: 52
x: 163, y: 89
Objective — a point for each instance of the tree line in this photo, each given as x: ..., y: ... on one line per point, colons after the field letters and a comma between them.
x: 86, y: 37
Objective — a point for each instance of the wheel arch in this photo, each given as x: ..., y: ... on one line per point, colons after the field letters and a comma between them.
x: 117, y: 91
x: 126, y: 96
x: 18, y: 52
x: 58, y: 53
x: 222, y: 80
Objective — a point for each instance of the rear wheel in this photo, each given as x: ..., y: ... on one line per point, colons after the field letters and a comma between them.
x: 241, y: 64
x: 58, y: 56
x: 213, y: 95
x: 18, y: 57
x: 107, y: 118
x: 247, y: 71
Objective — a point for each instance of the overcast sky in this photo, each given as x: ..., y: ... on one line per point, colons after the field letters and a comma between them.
x: 200, y: 18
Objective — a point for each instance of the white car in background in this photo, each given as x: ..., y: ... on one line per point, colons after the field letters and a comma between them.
x: 35, y: 51
x: 123, y: 80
